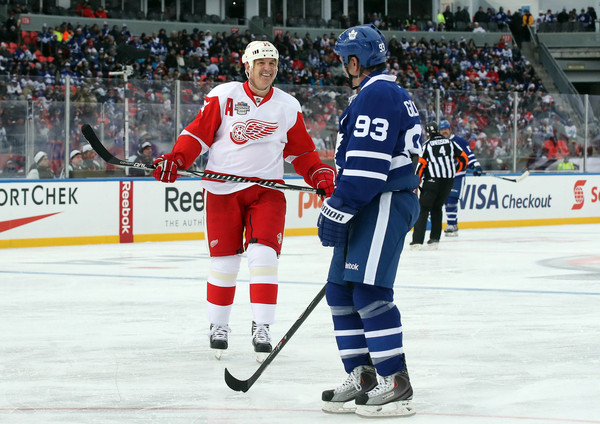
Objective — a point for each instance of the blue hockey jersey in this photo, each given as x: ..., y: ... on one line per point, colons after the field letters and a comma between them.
x: 378, y: 133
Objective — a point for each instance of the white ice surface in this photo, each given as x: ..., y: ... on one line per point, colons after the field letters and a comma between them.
x: 500, y: 326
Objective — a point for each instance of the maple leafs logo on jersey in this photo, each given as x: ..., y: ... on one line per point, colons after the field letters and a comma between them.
x: 251, y: 130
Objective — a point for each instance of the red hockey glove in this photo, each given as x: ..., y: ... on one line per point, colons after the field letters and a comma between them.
x: 323, y: 176
x: 166, y: 167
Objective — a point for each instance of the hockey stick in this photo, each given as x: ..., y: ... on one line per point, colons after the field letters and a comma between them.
x: 244, y: 385
x: 514, y: 180
x: 90, y: 135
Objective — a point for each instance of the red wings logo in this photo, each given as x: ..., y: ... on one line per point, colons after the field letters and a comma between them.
x: 253, y: 129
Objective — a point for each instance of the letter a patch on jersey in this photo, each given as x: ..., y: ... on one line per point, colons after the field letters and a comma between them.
x: 229, y: 107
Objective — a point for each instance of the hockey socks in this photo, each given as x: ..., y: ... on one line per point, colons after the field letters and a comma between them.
x: 348, y: 327
x: 367, y: 327
x: 451, y: 210
x: 382, y: 327
x: 220, y: 288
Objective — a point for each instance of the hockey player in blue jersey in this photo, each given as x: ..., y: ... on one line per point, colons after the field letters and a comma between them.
x: 366, y: 220
x: 459, y: 179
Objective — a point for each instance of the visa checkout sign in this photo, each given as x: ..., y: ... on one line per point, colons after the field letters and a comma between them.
x: 483, y: 196
x: 537, y: 200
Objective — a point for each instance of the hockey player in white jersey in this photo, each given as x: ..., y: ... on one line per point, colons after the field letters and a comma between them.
x: 248, y: 130
x: 366, y: 220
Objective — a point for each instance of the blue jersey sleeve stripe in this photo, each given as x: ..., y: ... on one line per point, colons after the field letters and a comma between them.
x: 364, y: 174
x: 369, y: 154
x: 400, y: 161
x: 368, y: 164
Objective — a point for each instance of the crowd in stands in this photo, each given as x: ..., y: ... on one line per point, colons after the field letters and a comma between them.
x: 447, y: 20
x: 475, y: 82
x: 486, y: 20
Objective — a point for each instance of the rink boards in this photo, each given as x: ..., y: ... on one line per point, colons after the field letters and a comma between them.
x: 71, y: 212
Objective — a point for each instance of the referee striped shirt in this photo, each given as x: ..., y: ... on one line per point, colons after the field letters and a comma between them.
x: 442, y: 158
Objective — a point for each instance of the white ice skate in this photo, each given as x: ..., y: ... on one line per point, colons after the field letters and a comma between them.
x: 340, y: 400
x: 451, y: 231
x: 390, y: 398
x: 218, y: 339
x: 261, y: 340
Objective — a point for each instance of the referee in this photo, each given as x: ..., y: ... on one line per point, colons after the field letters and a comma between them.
x: 442, y: 159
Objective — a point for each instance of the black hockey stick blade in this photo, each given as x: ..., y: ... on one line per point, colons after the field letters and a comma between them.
x: 92, y: 138
x: 244, y: 385
x: 90, y: 135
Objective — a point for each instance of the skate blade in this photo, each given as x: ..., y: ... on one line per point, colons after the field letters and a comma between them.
x: 218, y: 353
x: 401, y: 408
x: 454, y: 234
x: 339, y: 407
x: 261, y: 356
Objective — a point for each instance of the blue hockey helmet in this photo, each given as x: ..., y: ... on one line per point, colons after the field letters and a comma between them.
x: 444, y: 125
x: 365, y: 42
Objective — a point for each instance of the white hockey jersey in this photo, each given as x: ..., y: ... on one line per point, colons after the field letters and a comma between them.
x: 245, y: 135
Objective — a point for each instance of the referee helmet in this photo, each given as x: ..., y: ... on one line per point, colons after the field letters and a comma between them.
x: 432, y: 129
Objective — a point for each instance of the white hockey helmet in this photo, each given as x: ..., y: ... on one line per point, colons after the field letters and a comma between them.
x: 259, y: 50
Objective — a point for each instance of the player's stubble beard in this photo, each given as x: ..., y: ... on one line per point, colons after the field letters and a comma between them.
x: 257, y: 90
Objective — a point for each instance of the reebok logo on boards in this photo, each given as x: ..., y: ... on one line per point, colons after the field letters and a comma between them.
x: 126, y: 212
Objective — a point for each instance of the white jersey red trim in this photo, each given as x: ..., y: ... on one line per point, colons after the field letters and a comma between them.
x: 246, y: 135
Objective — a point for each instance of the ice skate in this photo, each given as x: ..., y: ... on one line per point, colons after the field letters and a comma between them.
x: 390, y: 398
x: 360, y: 380
x: 218, y: 338
x: 261, y: 340
x: 451, y: 231
x: 416, y: 246
x: 432, y: 244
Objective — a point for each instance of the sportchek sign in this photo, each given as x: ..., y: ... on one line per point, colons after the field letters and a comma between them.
x: 61, y: 212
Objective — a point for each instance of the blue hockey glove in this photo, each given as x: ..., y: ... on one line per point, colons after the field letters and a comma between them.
x: 478, y: 172
x: 333, y: 222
